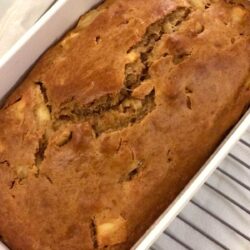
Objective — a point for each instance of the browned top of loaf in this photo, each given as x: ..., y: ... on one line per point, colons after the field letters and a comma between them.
x: 115, y: 119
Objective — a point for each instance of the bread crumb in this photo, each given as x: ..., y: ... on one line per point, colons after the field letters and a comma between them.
x: 87, y: 19
x: 63, y: 138
x: 198, y: 28
x: 22, y: 172
x: 111, y: 232
x: 42, y: 113
x: 143, y: 90
x: 238, y: 14
x: 66, y: 42
x: 197, y: 3
x: 132, y: 56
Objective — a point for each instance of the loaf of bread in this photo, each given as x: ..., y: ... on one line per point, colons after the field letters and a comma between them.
x: 115, y: 119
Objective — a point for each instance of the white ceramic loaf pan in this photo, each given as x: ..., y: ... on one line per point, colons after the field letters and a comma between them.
x: 42, y: 35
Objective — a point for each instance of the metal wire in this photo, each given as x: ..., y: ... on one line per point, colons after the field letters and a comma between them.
x: 228, y: 198
x: 209, y: 237
x: 245, y: 143
x: 152, y: 248
x: 241, y: 162
x: 220, y: 220
x: 234, y: 179
x: 183, y: 244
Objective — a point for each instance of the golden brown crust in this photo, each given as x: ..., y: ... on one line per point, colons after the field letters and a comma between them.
x: 114, y: 120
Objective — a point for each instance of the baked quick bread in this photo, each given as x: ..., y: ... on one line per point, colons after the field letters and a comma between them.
x: 115, y: 119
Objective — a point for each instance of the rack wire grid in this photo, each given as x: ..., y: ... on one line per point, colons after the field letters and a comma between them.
x: 218, y: 216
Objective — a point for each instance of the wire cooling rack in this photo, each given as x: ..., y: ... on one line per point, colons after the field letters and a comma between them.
x: 218, y: 217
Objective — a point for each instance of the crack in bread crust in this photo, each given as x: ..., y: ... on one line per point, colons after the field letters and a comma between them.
x: 43, y: 91
x: 40, y: 153
x: 92, y: 227
x: 118, y: 111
